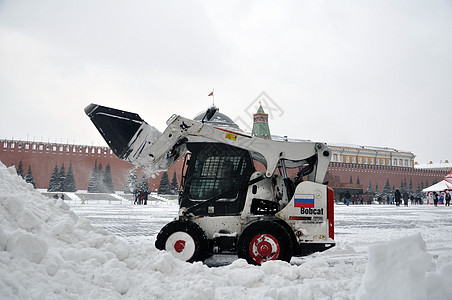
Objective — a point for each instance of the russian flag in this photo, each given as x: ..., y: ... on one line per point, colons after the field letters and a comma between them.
x: 304, y: 200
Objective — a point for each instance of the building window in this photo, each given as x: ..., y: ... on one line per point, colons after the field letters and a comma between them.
x: 360, y: 160
x: 5, y: 144
x: 12, y: 145
x: 395, y: 162
x: 33, y: 146
x: 353, y: 159
x: 371, y: 161
x: 366, y: 161
x: 347, y: 159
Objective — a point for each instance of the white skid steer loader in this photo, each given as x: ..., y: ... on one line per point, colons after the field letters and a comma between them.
x: 236, y: 195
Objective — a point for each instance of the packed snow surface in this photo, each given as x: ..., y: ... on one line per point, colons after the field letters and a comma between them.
x: 102, y: 250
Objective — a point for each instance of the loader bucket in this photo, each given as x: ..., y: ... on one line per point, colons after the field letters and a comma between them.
x: 116, y: 126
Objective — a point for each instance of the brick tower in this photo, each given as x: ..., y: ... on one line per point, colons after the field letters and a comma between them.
x: 260, y: 124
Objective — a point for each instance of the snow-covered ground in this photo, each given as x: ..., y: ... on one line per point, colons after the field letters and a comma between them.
x: 54, y: 250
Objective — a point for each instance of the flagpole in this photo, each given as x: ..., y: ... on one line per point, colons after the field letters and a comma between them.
x: 213, y: 97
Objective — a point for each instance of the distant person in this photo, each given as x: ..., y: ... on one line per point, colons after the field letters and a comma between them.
x: 62, y: 197
x: 405, y: 198
x: 353, y: 199
x: 447, y: 198
x: 135, y: 194
x: 397, y: 197
x: 347, y: 198
x: 435, y: 198
x: 145, y: 197
x: 140, y: 197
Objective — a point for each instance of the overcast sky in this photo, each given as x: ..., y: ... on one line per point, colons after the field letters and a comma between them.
x: 374, y: 73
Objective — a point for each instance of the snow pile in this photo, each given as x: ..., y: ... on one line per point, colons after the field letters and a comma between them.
x: 398, y: 270
x: 47, y: 252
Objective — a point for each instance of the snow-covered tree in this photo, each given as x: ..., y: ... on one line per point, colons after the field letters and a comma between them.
x: 54, y: 182
x: 174, y: 184
x: 61, y: 178
x: 108, y: 180
x: 100, y: 179
x: 386, y: 189
x: 132, y: 182
x: 411, y: 189
x: 20, y: 169
x: 164, y: 187
x: 369, y: 188
x: 93, y: 181
x: 143, y: 185
x: 29, y: 177
x: 69, y: 181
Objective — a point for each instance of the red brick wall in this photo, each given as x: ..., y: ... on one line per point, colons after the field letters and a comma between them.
x: 379, y: 174
x: 42, y: 162
x: 43, y: 158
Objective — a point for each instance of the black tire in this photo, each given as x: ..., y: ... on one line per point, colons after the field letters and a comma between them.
x: 184, y: 239
x: 263, y: 241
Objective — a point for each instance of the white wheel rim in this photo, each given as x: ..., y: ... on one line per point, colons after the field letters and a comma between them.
x: 181, y: 245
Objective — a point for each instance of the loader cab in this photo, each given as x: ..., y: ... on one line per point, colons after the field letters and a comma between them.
x: 216, y: 179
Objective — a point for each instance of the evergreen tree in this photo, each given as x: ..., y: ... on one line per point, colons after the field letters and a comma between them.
x: 132, y: 182
x: 419, y: 191
x: 93, y: 181
x: 357, y: 180
x: 164, y: 187
x: 174, y: 184
x: 411, y: 189
x: 144, y: 185
x: 369, y: 188
x: 386, y: 189
x: 351, y: 179
x: 100, y: 179
x: 54, y: 180
x: 20, y: 169
x: 108, y: 180
x: 69, y: 181
x: 61, y: 178
x: 29, y: 177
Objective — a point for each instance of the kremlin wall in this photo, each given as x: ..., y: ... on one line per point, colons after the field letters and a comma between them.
x: 351, y: 168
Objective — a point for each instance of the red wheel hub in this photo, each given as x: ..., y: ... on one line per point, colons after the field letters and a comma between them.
x: 179, y: 246
x: 264, y: 247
